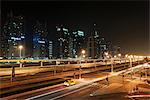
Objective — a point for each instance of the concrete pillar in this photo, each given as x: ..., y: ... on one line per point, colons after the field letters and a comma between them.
x: 78, y: 62
x: 85, y: 61
x: 95, y: 64
x: 68, y: 62
x: 54, y: 68
x: 112, y: 67
x: 80, y: 73
x: 146, y: 73
x: 41, y: 63
x: 106, y: 63
x: 20, y: 64
x: 13, y: 74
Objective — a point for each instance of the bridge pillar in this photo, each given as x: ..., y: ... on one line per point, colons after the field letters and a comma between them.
x: 68, y: 62
x: 86, y: 61
x: 13, y: 74
x: 41, y: 63
x: 55, y: 67
x: 20, y: 64
x: 78, y: 62
x: 80, y: 76
x: 95, y: 64
x: 112, y: 66
x: 55, y: 70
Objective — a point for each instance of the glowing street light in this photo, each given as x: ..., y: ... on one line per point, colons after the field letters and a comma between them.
x: 126, y: 55
x: 20, y: 49
x: 119, y: 55
x: 106, y: 53
x: 83, y: 52
x: 83, y: 55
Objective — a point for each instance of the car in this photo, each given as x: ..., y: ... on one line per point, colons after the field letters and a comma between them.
x: 69, y: 82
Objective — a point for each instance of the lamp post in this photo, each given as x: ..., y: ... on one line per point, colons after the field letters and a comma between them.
x: 112, y: 67
x: 126, y: 56
x: 119, y: 55
x: 131, y: 56
x: 83, y: 55
x: 106, y: 55
x: 20, y: 49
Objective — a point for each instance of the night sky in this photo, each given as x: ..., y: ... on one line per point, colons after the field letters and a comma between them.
x: 124, y: 23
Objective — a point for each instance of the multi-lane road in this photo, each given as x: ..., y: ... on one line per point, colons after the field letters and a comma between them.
x: 87, y: 87
x: 63, y: 72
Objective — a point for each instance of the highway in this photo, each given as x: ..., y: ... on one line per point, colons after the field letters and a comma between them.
x: 36, y: 69
x: 79, y: 88
x: 84, y: 70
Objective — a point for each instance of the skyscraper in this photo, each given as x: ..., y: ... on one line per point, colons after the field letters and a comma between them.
x: 50, y: 49
x: 3, y: 44
x: 93, y: 45
x: 69, y: 44
x: 78, y: 42
x: 63, y: 36
x: 40, y: 42
x: 104, y: 47
x: 96, y: 45
x: 14, y: 35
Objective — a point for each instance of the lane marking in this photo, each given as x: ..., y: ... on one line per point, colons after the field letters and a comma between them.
x: 98, y: 79
x: 70, y: 93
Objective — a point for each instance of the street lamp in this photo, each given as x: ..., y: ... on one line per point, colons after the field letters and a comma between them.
x: 119, y: 55
x: 130, y: 58
x: 20, y: 49
x: 112, y: 67
x: 126, y: 55
x: 83, y: 52
x: 106, y: 53
x: 83, y: 55
x: 105, y: 59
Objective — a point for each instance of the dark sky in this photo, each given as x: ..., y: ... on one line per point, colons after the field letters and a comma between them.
x: 125, y: 23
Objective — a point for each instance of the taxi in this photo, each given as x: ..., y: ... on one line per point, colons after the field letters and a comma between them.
x: 69, y: 82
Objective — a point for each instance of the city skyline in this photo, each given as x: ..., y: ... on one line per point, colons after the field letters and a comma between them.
x: 123, y: 23
x: 74, y: 50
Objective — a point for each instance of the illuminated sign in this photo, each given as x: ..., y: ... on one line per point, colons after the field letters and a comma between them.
x: 41, y: 41
x: 15, y: 38
x: 22, y: 37
x: 80, y: 33
x: 58, y: 29
x: 74, y: 32
x: 64, y: 29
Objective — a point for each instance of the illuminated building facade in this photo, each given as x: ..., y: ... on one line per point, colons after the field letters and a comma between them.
x: 3, y: 44
x: 14, y: 35
x: 69, y: 44
x: 40, y: 42
x: 104, y: 47
x: 78, y: 39
x: 63, y: 37
x: 96, y: 45
x: 50, y: 49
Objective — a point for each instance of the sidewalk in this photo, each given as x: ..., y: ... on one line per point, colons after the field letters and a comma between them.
x: 126, y: 87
